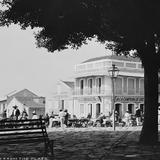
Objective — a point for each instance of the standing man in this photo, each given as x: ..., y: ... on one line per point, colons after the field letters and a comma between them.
x: 62, y: 117
x: 66, y: 117
x: 15, y: 112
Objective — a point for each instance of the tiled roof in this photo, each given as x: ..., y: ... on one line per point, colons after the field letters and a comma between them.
x: 113, y: 57
x: 29, y: 102
x: 69, y: 83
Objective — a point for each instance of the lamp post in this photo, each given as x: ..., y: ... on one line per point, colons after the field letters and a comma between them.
x: 113, y: 73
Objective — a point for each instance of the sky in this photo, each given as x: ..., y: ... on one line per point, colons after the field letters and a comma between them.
x: 23, y: 65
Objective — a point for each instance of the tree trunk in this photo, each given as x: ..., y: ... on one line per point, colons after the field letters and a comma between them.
x: 149, y: 133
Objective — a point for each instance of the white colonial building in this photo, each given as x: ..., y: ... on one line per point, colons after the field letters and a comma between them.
x: 91, y: 90
x: 25, y: 100
x: 93, y: 86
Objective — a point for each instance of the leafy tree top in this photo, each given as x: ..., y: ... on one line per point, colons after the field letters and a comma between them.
x: 130, y: 24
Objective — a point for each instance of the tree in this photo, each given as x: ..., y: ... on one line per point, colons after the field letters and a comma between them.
x: 128, y: 24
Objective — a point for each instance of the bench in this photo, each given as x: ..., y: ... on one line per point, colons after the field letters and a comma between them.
x: 25, y: 131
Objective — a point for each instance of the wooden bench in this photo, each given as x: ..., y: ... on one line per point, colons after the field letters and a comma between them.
x: 25, y: 131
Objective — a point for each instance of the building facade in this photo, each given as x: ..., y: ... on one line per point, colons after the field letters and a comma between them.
x: 26, y: 100
x: 63, y: 97
x: 93, y: 86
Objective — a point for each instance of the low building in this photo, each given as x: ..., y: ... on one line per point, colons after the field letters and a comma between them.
x: 26, y: 100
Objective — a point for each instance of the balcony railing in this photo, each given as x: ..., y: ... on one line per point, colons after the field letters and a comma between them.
x: 90, y: 92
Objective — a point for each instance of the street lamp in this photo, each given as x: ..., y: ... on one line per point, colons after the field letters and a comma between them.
x: 113, y: 73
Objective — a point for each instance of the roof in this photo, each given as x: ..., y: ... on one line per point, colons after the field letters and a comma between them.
x: 2, y: 101
x: 113, y: 57
x: 69, y: 83
x: 29, y: 102
x: 24, y: 93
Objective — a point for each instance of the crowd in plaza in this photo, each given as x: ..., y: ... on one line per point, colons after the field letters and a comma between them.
x: 63, y: 119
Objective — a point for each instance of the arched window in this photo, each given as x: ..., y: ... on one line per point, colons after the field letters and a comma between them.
x: 90, y: 85
x: 90, y: 109
x: 118, y: 108
x: 131, y: 108
x: 98, y: 85
x: 81, y: 86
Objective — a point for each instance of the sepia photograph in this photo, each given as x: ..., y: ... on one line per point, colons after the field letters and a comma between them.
x: 79, y: 80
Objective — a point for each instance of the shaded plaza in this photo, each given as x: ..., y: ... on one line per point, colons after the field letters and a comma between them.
x: 89, y: 143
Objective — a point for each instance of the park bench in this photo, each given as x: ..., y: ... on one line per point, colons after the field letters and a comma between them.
x: 25, y: 131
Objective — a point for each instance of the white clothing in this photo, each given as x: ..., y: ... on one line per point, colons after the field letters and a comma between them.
x: 62, y: 114
x: 62, y: 118
x: 35, y: 116
x: 127, y: 118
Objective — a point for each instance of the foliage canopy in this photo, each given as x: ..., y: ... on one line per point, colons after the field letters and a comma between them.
x: 130, y: 24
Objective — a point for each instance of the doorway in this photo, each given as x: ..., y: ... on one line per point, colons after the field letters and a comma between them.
x: 118, y: 108
x: 90, y: 109
x: 131, y: 108
x: 98, y: 109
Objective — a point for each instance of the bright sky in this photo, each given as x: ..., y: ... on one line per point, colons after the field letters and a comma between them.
x: 22, y: 65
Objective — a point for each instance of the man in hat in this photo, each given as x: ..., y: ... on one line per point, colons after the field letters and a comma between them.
x: 15, y: 112
x: 66, y: 117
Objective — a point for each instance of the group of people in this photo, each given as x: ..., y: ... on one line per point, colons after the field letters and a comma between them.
x: 22, y: 115
x: 62, y: 118
x: 127, y: 120
x: 17, y: 115
x: 138, y: 117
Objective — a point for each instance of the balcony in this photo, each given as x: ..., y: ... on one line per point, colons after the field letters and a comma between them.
x: 103, y: 92
x: 85, y: 92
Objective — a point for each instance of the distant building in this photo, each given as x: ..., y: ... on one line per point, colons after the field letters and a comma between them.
x: 27, y: 100
x: 63, y: 98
